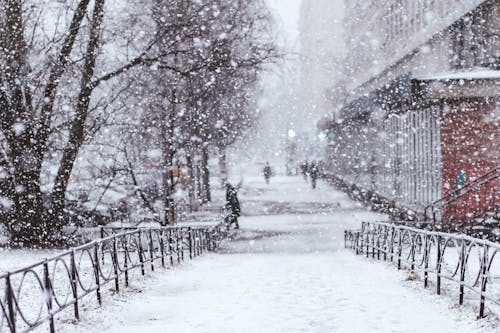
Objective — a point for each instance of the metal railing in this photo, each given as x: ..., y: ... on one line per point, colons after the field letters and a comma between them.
x: 32, y: 296
x: 472, y: 264
x: 456, y: 194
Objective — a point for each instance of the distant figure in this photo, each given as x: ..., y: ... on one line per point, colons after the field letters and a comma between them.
x: 314, y: 173
x: 122, y: 209
x: 304, y: 169
x: 232, y: 205
x: 267, y: 172
x: 152, y: 192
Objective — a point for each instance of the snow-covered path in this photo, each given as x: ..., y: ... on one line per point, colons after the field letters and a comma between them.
x: 285, y: 271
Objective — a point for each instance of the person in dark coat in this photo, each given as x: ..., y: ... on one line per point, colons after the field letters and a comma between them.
x: 232, y: 205
x: 314, y: 173
x: 267, y: 172
x: 304, y: 169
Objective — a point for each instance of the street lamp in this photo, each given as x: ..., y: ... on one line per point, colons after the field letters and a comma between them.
x: 321, y: 136
x: 290, y: 151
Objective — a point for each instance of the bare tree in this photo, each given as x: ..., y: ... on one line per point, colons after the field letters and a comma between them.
x: 30, y: 120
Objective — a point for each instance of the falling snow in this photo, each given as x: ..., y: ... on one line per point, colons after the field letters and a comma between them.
x: 142, y: 113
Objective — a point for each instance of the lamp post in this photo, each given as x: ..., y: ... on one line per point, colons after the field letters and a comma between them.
x: 290, y: 150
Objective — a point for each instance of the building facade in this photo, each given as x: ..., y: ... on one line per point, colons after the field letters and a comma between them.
x: 421, y: 114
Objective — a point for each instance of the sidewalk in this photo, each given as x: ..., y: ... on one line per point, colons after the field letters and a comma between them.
x: 285, y: 271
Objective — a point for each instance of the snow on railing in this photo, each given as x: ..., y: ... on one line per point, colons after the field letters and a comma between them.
x: 472, y: 264
x: 32, y: 296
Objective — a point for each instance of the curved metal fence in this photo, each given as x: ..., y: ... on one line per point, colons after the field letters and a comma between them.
x: 471, y: 264
x: 32, y: 296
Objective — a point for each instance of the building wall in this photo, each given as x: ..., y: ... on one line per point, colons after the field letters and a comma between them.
x: 382, y: 37
x: 425, y: 139
x: 471, y: 144
x: 397, y: 155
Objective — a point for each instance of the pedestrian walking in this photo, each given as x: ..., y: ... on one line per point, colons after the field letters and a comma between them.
x: 232, y: 206
x: 314, y: 173
x: 267, y: 172
x: 304, y: 169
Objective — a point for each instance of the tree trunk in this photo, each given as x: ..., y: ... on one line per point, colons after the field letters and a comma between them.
x: 193, y: 203
x: 205, y: 175
x: 26, y: 220
x: 223, y: 167
x: 77, y: 131
x: 199, y: 185
x: 30, y: 229
x: 168, y: 124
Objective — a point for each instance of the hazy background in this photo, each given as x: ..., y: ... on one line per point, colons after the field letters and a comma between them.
x: 294, y: 92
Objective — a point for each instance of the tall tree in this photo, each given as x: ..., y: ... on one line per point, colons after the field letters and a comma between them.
x: 37, y: 111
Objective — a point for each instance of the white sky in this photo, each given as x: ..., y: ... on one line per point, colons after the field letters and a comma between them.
x: 287, y: 16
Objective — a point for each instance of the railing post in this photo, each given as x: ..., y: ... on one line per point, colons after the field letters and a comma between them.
x: 438, y: 267
x: 462, y: 272
x: 10, y: 304
x: 208, y: 240
x: 378, y: 243
x: 362, y: 235
x: 97, y: 273
x: 374, y: 234
x: 170, y: 247
x: 125, y: 262
x: 179, y: 242
x: 426, y: 261
x: 484, y: 279
x: 141, y: 253
x: 190, y: 242
x: 412, y: 252
x: 74, y: 284
x: 47, y: 286
x: 115, y: 264
x: 386, y: 244
x: 101, y: 229
x: 162, y: 248
x: 151, y: 248
x: 198, y: 241
x: 367, y: 243
x: 400, y: 248
x: 393, y: 228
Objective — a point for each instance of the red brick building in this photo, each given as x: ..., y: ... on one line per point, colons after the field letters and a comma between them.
x: 470, y: 139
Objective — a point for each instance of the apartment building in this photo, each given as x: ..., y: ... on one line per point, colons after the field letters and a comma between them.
x: 421, y: 108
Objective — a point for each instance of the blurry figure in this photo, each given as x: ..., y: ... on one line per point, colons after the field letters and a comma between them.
x: 314, y: 173
x: 122, y: 209
x: 232, y: 205
x: 267, y: 172
x: 304, y: 169
x: 152, y: 191
x: 83, y: 197
x: 289, y: 167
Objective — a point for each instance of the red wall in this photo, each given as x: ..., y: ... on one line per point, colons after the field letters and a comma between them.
x: 470, y: 136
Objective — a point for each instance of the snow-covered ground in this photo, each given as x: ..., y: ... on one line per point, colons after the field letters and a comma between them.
x: 285, y: 271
